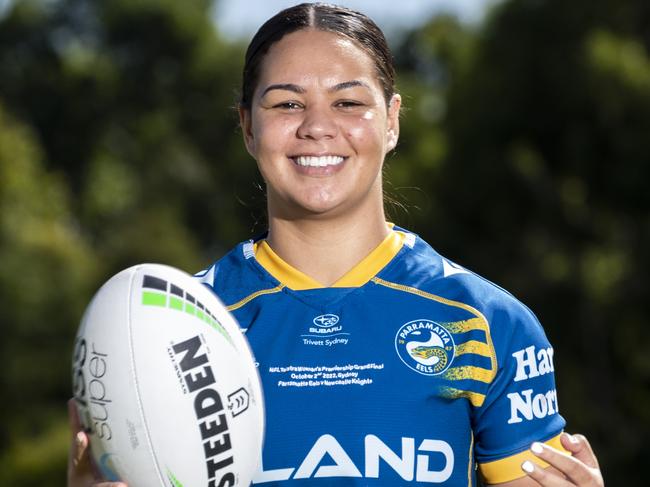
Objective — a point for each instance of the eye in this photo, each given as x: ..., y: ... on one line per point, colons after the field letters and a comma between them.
x: 288, y: 105
x: 348, y: 104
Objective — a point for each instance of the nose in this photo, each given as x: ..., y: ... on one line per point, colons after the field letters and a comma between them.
x: 317, y: 123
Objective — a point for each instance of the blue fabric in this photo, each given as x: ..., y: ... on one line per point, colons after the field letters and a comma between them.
x: 410, y: 378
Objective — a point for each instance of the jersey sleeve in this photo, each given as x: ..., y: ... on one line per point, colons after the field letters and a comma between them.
x: 521, y: 405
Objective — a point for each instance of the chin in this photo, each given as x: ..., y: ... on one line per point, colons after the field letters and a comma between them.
x: 318, y: 201
x: 313, y: 209
x: 311, y: 204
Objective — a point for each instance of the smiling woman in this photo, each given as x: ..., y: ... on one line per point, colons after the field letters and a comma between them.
x: 382, y: 362
x: 319, y: 128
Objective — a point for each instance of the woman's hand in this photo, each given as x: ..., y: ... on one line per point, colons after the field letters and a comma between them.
x: 580, y: 469
x: 81, y: 470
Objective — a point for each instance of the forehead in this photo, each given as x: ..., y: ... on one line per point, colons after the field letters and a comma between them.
x: 314, y: 53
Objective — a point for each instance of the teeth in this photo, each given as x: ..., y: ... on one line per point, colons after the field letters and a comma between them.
x: 313, y: 161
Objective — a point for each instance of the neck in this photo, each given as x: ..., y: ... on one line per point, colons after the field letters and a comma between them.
x: 325, y: 249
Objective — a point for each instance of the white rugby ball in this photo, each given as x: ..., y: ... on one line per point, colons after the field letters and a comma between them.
x: 165, y: 383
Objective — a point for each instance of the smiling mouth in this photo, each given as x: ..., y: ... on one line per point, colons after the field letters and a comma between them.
x: 318, y: 161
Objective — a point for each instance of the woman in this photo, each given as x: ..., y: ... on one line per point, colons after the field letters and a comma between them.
x: 382, y: 362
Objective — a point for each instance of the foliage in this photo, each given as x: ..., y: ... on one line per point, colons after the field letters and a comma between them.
x: 46, y: 273
x: 543, y: 189
x: 523, y: 155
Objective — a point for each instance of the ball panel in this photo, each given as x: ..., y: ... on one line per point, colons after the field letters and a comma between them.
x: 187, y: 407
x: 111, y: 418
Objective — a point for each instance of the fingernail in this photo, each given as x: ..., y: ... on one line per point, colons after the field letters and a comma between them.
x: 79, y: 438
x: 528, y: 467
x: 537, y: 448
x: 571, y: 438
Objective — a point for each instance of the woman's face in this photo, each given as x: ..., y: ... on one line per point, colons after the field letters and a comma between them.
x: 319, y: 126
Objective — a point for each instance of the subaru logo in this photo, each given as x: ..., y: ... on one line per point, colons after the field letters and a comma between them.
x: 325, y: 321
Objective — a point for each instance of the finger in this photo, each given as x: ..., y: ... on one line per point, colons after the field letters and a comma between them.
x: 80, y: 473
x: 81, y: 469
x: 542, y: 476
x: 79, y: 449
x: 73, y: 417
x: 79, y: 441
x: 579, y: 446
x: 573, y: 468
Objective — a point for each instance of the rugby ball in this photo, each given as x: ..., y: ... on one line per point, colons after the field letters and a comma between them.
x: 165, y: 383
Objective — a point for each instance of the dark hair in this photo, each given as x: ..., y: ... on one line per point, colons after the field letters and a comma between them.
x: 325, y: 17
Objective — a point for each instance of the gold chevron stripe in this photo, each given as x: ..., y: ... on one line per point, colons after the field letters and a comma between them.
x: 250, y: 297
x: 479, y: 322
x: 469, y: 372
x: 470, y: 462
x: 473, y: 346
x: 465, y: 326
x: 476, y: 399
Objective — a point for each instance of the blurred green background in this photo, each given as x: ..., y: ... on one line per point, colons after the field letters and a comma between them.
x: 524, y: 155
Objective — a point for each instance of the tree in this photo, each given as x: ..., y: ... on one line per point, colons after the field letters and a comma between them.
x: 117, y: 146
x: 542, y: 188
x: 523, y: 155
x: 46, y: 274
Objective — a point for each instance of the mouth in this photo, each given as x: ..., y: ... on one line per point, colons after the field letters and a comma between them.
x: 318, y: 161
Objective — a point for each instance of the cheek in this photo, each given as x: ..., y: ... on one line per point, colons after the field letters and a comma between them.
x: 270, y: 135
x: 366, y: 132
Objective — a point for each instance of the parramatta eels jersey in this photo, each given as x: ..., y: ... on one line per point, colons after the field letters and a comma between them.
x: 410, y: 370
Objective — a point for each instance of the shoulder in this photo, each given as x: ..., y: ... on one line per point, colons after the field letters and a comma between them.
x: 234, y: 275
x: 423, y: 268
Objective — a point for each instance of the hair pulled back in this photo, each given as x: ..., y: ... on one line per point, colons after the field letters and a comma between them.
x: 325, y: 17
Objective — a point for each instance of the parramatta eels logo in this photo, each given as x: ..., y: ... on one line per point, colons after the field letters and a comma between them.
x: 425, y: 346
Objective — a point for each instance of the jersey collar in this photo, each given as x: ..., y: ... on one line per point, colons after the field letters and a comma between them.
x: 355, y: 277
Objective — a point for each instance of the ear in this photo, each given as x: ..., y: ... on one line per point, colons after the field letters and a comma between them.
x: 392, y: 130
x: 246, y: 124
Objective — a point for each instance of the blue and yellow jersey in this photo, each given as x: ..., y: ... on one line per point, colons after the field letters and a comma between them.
x: 408, y: 370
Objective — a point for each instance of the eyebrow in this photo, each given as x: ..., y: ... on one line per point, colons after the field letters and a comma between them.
x: 284, y: 86
x: 348, y: 84
x: 300, y: 90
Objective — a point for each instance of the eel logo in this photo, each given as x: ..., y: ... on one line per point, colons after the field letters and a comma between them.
x: 425, y: 346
